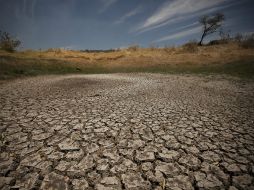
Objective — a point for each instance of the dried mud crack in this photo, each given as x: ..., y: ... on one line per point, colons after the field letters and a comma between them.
x: 127, y: 131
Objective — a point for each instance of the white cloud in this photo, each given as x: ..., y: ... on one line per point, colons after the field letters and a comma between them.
x: 182, y: 34
x: 129, y: 14
x: 178, y: 10
x: 106, y: 4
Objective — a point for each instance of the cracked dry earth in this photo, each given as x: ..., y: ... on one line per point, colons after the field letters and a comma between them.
x: 127, y: 131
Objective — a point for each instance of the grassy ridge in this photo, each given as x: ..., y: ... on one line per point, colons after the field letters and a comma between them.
x: 11, y: 68
x: 228, y: 60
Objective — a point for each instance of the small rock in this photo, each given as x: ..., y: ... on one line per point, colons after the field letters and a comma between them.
x: 156, y: 177
x: 86, y: 163
x: 75, y: 155
x: 92, y: 148
x: 169, y: 169
x: 6, y: 181
x: 135, y: 181
x: 233, y: 168
x: 94, y: 177
x: 6, y: 166
x: 63, y: 165
x: 242, y: 181
x: 31, y: 160
x: 180, y: 182
x: 54, y: 181
x: 169, y: 156
x: 110, y: 181
x: 145, y: 156
x: 147, y: 166
x: 210, y: 156
x: 135, y: 144
x: 112, y: 154
x: 232, y: 188
x: 44, y: 166
x: 80, y: 184
x: 82, y: 167
x: 28, y: 182
x: 41, y: 136
x: 78, y: 126
x: 102, y: 165
x: 68, y: 145
x: 208, y: 181
x: 190, y: 161
x: 101, y: 130
x: 56, y: 155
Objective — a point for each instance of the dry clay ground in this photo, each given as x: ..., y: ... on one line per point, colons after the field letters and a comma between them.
x: 127, y: 131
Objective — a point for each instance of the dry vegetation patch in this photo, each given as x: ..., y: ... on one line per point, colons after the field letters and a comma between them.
x: 188, y: 58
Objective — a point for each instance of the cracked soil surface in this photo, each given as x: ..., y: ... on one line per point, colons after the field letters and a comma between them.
x: 127, y: 131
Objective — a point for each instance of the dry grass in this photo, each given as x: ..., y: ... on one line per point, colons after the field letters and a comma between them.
x: 128, y: 60
x: 187, y: 53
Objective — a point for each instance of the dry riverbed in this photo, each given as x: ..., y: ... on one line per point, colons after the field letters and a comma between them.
x: 127, y: 131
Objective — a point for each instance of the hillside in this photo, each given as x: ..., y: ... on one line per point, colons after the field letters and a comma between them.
x: 217, y: 59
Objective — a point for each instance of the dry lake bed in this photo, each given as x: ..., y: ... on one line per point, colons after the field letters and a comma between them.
x: 127, y: 131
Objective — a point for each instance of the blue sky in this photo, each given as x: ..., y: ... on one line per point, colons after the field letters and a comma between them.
x: 105, y: 24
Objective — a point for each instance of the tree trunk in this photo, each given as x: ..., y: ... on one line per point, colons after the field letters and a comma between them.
x: 201, y: 40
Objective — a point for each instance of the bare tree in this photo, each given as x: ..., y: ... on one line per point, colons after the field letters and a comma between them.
x: 224, y: 35
x: 210, y: 24
x: 238, y: 37
x: 7, y: 42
